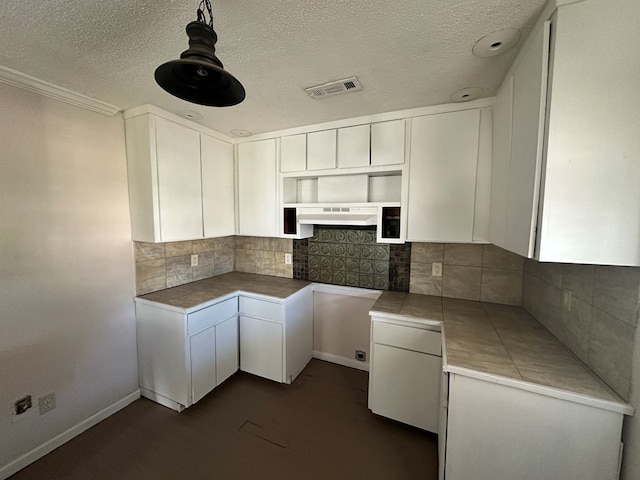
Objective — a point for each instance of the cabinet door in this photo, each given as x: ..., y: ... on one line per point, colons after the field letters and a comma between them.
x: 179, y: 181
x: 321, y: 150
x: 354, y: 146
x: 293, y: 153
x: 387, y: 143
x: 261, y: 347
x: 405, y: 386
x: 218, y: 200
x: 502, y: 112
x: 257, y: 183
x: 203, y: 363
x: 226, y: 349
x: 529, y: 100
x: 442, y: 177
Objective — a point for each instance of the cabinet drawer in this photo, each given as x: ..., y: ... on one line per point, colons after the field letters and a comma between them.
x: 209, y: 316
x: 261, y: 308
x: 417, y: 339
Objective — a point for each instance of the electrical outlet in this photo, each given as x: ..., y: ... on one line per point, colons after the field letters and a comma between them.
x: 361, y: 355
x: 47, y: 403
x: 22, y: 405
x: 287, y: 259
x: 436, y: 269
x: 194, y: 260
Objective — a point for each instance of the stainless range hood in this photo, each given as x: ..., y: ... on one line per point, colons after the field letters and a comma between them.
x: 352, y: 216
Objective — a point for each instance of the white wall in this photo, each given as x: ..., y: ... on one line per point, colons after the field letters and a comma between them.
x: 67, y: 321
x: 341, y: 323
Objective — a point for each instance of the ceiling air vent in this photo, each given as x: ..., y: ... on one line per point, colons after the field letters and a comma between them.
x: 334, y: 88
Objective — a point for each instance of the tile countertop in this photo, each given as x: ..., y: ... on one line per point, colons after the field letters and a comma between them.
x: 188, y: 296
x: 503, y: 344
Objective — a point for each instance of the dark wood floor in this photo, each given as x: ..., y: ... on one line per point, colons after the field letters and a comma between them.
x: 250, y: 428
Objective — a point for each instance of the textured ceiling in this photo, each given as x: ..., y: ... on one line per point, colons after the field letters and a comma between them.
x: 413, y: 53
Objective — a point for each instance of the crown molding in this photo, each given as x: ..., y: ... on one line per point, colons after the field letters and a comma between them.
x: 27, y: 82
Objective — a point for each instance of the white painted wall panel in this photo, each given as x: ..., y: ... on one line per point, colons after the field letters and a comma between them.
x: 66, y: 267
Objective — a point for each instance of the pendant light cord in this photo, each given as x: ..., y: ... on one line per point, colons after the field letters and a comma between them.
x: 202, y: 15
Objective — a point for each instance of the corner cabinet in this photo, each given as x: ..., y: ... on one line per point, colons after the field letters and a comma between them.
x: 276, y: 336
x: 566, y: 165
x: 182, y: 357
x: 180, y: 180
x: 257, y: 189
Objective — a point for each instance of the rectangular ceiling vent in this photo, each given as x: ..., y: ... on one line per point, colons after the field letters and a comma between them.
x: 334, y: 88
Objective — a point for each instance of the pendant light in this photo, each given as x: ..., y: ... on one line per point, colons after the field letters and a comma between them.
x: 198, y: 76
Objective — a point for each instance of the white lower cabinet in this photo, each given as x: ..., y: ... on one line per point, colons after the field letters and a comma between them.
x: 182, y: 357
x: 405, y: 372
x: 276, y: 336
x: 261, y: 343
x: 499, y: 432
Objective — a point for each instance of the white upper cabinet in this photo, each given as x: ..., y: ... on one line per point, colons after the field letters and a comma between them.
x: 181, y: 181
x: 387, y: 143
x: 293, y: 153
x: 353, y: 146
x: 179, y: 189
x: 572, y: 191
x: 217, y: 187
x: 321, y: 150
x: 163, y: 164
x: 442, y: 177
x: 257, y: 182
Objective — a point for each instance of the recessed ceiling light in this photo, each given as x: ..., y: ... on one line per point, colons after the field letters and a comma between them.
x: 466, y: 94
x: 190, y: 115
x: 239, y: 132
x: 496, y: 42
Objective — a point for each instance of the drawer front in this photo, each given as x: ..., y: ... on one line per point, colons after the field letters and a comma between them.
x: 417, y: 339
x: 209, y: 316
x: 261, y: 308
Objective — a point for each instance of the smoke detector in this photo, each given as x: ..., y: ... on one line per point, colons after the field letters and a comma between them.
x: 334, y: 88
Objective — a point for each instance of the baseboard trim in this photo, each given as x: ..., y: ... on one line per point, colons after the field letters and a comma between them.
x: 345, y: 362
x: 47, y: 447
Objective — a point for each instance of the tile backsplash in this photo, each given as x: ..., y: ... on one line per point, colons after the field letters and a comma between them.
x: 348, y: 256
x: 263, y: 255
x: 592, y: 309
x: 469, y: 271
x: 165, y: 265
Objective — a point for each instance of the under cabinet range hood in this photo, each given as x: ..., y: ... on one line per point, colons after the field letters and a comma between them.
x: 355, y: 216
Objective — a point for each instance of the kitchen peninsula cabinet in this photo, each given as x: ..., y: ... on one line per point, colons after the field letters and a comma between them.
x: 183, y: 356
x: 566, y: 167
x: 276, y: 336
x: 405, y: 357
x: 257, y: 187
x: 502, y: 432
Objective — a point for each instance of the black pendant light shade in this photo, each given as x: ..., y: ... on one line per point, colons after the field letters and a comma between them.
x: 198, y: 76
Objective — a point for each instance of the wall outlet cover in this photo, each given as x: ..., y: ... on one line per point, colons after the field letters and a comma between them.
x: 287, y: 259
x: 194, y: 260
x: 47, y: 403
x: 436, y: 269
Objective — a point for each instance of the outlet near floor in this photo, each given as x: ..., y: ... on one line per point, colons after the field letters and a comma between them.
x: 47, y: 403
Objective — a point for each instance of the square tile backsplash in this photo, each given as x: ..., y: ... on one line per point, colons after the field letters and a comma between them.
x: 469, y: 271
x: 166, y: 265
